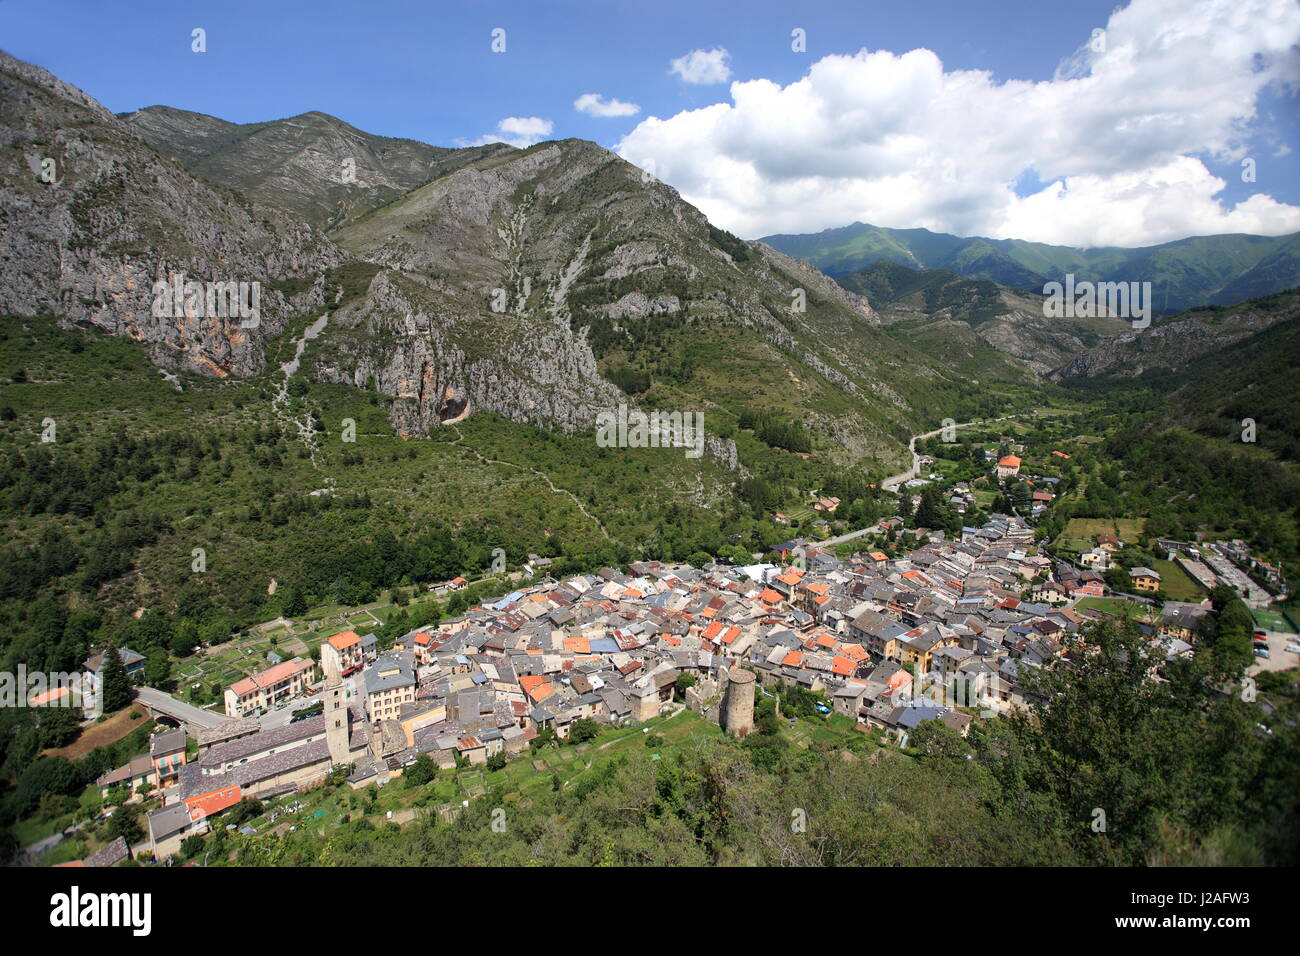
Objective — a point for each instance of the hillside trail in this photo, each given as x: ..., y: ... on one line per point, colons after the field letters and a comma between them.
x: 279, y: 403
x: 460, y: 441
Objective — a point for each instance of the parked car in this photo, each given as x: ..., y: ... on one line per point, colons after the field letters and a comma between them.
x: 1261, y: 652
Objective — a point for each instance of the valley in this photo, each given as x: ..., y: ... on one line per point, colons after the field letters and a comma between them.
x: 372, y: 519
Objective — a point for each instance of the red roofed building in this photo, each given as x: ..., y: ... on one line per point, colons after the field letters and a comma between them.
x: 343, y: 651
x: 206, y: 804
x: 1008, y: 466
x: 536, y: 687
x: 264, y: 690
x: 424, y: 645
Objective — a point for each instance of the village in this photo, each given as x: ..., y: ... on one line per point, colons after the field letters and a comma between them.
x: 943, y: 631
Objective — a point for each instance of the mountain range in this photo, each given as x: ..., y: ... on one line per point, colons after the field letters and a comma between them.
x: 314, y: 166
x: 542, y: 284
x: 523, y: 282
x: 1201, y: 270
x: 987, y: 331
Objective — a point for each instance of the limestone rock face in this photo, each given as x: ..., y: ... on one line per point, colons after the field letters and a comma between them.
x: 520, y: 282
x: 1174, y: 344
x: 92, y: 218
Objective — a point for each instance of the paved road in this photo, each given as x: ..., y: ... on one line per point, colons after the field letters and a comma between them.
x: 889, y: 483
x: 34, y: 850
x: 163, y: 702
x: 280, y: 718
x: 840, y: 539
x: 893, y: 481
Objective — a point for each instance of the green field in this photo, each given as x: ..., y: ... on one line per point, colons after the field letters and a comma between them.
x: 1273, y: 621
x: 1080, y: 534
x: 1177, y: 583
x: 1117, y: 606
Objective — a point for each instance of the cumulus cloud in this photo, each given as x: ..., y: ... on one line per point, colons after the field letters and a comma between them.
x: 1114, y: 144
x: 702, y: 67
x: 593, y: 104
x: 521, y: 131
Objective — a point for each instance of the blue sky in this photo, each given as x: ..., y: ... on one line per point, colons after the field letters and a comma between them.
x: 426, y: 70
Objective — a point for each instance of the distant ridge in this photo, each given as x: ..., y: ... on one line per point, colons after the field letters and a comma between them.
x: 1201, y: 270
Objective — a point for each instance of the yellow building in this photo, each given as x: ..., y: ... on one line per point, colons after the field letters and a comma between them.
x: 1144, y: 579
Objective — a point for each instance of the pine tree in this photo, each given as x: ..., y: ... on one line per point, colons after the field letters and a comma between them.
x: 115, y: 686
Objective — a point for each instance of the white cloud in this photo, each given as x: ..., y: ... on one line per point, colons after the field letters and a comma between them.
x: 521, y: 131
x: 593, y: 104
x: 1117, y: 137
x: 703, y: 66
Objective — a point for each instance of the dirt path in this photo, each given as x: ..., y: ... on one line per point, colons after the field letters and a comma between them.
x: 460, y: 439
x: 279, y: 404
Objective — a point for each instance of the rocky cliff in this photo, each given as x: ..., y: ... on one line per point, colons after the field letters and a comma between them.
x: 91, y: 217
x: 524, y: 282
x: 1178, y: 342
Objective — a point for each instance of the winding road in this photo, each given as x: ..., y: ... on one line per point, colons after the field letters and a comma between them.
x: 893, y: 481
x: 890, y: 483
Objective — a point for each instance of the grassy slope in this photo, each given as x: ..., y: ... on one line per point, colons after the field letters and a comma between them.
x: 90, y: 384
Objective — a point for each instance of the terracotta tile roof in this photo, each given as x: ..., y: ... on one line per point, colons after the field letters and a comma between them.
x: 343, y: 640
x: 205, y: 805
x: 55, y: 693
x: 271, y: 676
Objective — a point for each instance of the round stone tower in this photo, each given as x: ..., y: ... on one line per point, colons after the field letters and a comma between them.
x: 738, y: 706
